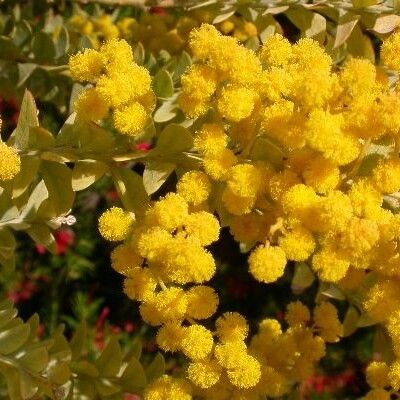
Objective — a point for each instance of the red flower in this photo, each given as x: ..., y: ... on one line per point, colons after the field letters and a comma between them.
x: 145, y: 146
x: 157, y: 10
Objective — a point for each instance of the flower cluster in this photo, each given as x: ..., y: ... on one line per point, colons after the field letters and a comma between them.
x: 117, y: 84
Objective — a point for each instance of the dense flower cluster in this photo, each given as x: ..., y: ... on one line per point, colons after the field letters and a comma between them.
x: 301, y: 169
x: 117, y: 84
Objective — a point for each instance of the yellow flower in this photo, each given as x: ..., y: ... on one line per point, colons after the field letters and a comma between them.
x: 246, y: 373
x: 211, y: 139
x: 394, y: 375
x: 167, y: 387
x: 140, y: 285
x: 236, y: 103
x: 169, y: 336
x: 390, y: 51
x: 170, y: 212
x: 297, y: 314
x: 267, y: 264
x: 117, y: 53
x: 91, y: 106
x: 197, y: 342
x: 124, y: 259
x: 244, y: 180
x: 130, y: 119
x: 204, y: 373
x: 232, y: 327
x: 203, y: 226
x: 386, y: 176
x: 115, y: 224
x: 377, y: 374
x: 327, y: 322
x: 217, y: 166
x: 202, y: 302
x: 200, y: 82
x: 330, y: 264
x: 377, y: 394
x: 229, y: 353
x: 322, y: 175
x: 194, y: 187
x: 86, y: 65
x: 298, y: 244
x: 275, y: 51
x: 153, y: 243
x: 10, y: 162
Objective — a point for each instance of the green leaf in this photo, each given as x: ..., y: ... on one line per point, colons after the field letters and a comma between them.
x: 363, y: 3
x: 63, y: 43
x: 225, y: 15
x: 386, y: 23
x: 311, y: 24
x: 8, y: 49
x: 350, y: 321
x: 131, y: 190
x: 40, y: 138
x: 155, y: 175
x: 78, y: 341
x: 165, y: 112
x: 106, y: 388
x: 134, y: 378
x: 28, y: 171
x: 41, y: 234
x: 85, y: 368
x: 156, y: 368
x: 24, y: 72
x: 43, y: 47
x: 110, y: 360
x: 303, y: 277
x: 174, y: 139
x: 6, y: 315
x: 87, y: 172
x: 184, y: 61
x: 382, y: 345
x: 162, y: 84
x: 22, y: 33
x: 58, y: 180
x: 138, y: 54
x: 35, y: 359
x: 12, y: 339
x: 331, y: 291
x: 266, y: 149
x: 27, y: 118
x: 36, y: 199
x: 345, y: 26
x: 7, y: 243
x: 359, y: 45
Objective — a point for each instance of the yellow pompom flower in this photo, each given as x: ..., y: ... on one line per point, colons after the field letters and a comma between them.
x: 236, y: 103
x: 377, y: 394
x: 392, y: 328
x: 382, y: 300
x: 386, y: 176
x: 244, y: 180
x: 204, y: 373
x: 281, y: 182
x: 297, y: 314
x: 327, y: 322
x: 91, y: 106
x: 246, y: 373
x: 203, y: 226
x: 169, y: 336
x: 140, y: 285
x: 153, y: 243
x: 267, y: 264
x: 202, y: 302
x: 330, y: 265
x: 322, y: 175
x: 235, y: 204
x: 170, y: 212
x: 197, y: 342
x: 10, y: 163
x: 394, y: 375
x: 115, y: 224
x: 211, y: 139
x: 232, y: 327
x: 124, y: 259
x: 377, y: 374
x: 298, y: 244
x: 194, y: 187
x: 229, y: 353
x: 390, y: 51
x: 275, y: 51
x: 130, y: 119
x: 167, y: 387
x: 168, y: 305
x: 364, y: 197
x: 217, y: 166
x: 117, y: 54
x: 86, y: 65
x: 200, y: 82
